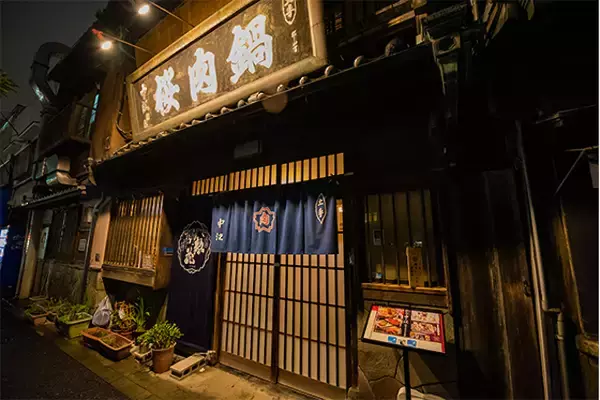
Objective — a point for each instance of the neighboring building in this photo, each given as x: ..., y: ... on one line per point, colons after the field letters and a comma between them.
x: 16, y: 156
x: 57, y: 195
x: 267, y: 176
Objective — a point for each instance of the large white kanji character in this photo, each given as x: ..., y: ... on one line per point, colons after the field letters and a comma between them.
x: 251, y: 47
x: 202, y: 74
x: 165, y: 92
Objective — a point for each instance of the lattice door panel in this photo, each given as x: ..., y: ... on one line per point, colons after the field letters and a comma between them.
x: 312, y: 316
x: 247, y: 326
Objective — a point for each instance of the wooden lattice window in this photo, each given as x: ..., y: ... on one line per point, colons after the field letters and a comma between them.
x: 291, y: 172
x: 134, y: 232
x: 403, y: 247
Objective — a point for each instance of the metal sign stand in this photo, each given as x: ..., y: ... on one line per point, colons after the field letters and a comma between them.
x: 403, y: 339
x: 407, y: 393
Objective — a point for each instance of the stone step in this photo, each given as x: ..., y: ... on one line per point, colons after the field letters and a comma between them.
x: 186, y: 367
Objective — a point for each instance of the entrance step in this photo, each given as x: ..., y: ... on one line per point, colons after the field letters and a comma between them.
x: 186, y: 367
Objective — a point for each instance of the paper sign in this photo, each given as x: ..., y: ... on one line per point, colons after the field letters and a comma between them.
x: 416, y: 271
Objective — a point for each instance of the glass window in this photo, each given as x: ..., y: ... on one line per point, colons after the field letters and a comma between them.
x: 402, y: 244
x: 92, y: 121
x: 94, y: 108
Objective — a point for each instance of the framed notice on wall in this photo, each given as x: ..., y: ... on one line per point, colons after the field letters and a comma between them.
x: 406, y: 328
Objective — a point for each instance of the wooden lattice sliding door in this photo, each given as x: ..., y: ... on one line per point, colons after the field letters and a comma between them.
x: 283, y: 316
x: 312, y: 315
x: 248, y: 301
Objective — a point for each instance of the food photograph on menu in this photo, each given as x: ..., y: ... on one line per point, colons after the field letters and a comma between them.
x: 417, y: 329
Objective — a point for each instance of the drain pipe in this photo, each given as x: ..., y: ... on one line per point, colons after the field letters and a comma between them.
x: 88, y: 246
x: 562, y: 355
x: 538, y: 276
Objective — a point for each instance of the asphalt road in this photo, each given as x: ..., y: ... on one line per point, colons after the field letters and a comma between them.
x: 32, y: 367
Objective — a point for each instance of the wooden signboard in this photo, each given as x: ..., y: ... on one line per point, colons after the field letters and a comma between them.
x: 416, y: 270
x: 248, y: 46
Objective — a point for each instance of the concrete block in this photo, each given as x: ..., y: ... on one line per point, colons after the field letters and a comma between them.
x: 186, y: 367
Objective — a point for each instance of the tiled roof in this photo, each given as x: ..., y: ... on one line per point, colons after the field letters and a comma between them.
x: 68, y: 192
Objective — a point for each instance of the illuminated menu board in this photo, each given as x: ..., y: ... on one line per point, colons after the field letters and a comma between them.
x: 404, y: 327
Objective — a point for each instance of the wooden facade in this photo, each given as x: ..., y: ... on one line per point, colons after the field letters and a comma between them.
x: 386, y: 130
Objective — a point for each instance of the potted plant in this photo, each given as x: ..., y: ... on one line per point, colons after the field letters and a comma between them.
x: 140, y: 317
x: 115, y: 346
x: 56, y: 308
x: 92, y: 336
x: 72, y: 322
x: 37, y: 314
x: 161, y: 338
x: 141, y: 352
x: 122, y: 319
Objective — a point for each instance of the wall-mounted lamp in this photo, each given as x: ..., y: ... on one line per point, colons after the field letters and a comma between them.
x: 143, y: 8
x: 106, y: 45
x: 106, y: 41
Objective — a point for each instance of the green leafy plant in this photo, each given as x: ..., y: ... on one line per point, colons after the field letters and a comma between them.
x: 75, y: 312
x: 123, y: 317
x: 99, y: 334
x: 60, y: 307
x: 115, y: 340
x: 161, y: 336
x: 140, y: 316
x: 35, y: 309
x: 110, y: 340
x: 53, y: 303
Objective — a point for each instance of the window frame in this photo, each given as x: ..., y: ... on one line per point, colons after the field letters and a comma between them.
x: 56, y: 248
x: 400, y: 290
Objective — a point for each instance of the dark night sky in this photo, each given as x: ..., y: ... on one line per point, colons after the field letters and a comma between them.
x: 24, y: 26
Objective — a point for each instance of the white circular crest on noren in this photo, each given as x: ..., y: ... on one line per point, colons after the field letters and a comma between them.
x: 290, y: 10
x: 193, y: 247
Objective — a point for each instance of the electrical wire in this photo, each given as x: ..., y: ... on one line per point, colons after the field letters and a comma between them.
x: 124, y: 134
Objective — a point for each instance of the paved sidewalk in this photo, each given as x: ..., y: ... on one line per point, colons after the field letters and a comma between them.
x: 138, y: 382
x: 34, y: 368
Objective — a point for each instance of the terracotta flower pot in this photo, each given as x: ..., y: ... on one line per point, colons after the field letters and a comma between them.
x: 137, y: 334
x: 162, y: 359
x: 128, y: 334
x: 37, y: 319
x: 92, y: 336
x: 115, y: 346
